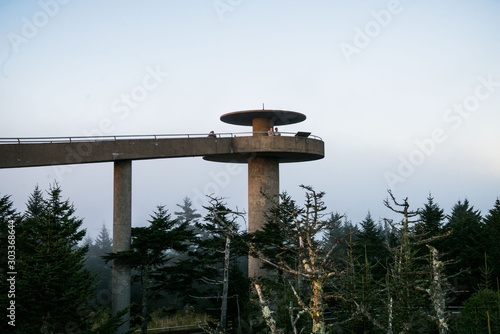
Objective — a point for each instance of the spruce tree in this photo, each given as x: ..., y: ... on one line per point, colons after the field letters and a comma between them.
x: 274, y: 239
x: 104, y: 242
x: 35, y: 205
x: 465, y: 245
x: 430, y: 229
x: 188, y: 213
x: 370, y: 245
x: 99, y: 247
x: 431, y: 219
x: 218, y: 256
x: 492, y: 229
x: 54, y: 287
x: 339, y: 233
x: 359, y: 290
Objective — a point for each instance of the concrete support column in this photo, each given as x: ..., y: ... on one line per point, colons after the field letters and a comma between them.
x: 260, y: 126
x: 122, y: 226
x: 263, y: 180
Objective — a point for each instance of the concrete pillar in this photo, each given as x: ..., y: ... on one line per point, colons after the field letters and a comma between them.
x: 260, y: 126
x: 122, y: 226
x: 263, y: 180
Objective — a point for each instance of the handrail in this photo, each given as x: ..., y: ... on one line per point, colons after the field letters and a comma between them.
x: 51, y: 140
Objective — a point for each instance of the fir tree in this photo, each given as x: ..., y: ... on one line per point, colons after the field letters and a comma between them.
x: 481, y: 312
x: 273, y: 240
x: 431, y: 219
x: 359, y: 290
x: 339, y: 233
x: 188, y: 214
x: 104, y: 242
x: 35, y: 205
x: 218, y: 256
x: 430, y: 226
x: 101, y: 246
x: 53, y: 285
x: 370, y: 246
x: 492, y: 229
x: 465, y: 245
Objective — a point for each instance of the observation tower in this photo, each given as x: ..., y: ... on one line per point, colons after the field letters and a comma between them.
x: 262, y: 152
x: 265, y: 153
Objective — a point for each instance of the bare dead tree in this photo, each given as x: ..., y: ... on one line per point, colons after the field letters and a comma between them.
x: 437, y: 292
x: 315, y: 264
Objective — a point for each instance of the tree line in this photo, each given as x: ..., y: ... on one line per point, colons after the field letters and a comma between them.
x: 325, y: 274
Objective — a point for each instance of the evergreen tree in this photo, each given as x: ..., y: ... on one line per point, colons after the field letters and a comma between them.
x: 273, y: 240
x: 465, y: 245
x: 188, y: 214
x: 431, y: 219
x: 217, y: 256
x: 370, y: 245
x: 492, y: 229
x: 339, y: 233
x: 104, y: 242
x: 101, y: 246
x: 35, y: 205
x: 481, y: 313
x: 88, y: 242
x: 430, y: 227
x: 359, y: 290
x: 53, y: 286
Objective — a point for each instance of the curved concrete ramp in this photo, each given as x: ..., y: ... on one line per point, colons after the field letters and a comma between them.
x: 233, y: 149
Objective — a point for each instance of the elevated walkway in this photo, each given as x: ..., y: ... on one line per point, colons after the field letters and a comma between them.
x: 261, y: 152
x: 226, y: 147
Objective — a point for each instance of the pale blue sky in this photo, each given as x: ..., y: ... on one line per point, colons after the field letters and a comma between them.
x: 66, y: 65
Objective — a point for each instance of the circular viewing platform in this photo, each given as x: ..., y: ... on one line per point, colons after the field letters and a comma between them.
x: 275, y: 117
x: 285, y: 148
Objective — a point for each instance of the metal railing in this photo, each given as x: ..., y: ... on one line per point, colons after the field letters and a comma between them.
x: 50, y: 140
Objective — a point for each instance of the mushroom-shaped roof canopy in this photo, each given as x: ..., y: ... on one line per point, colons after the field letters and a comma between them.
x: 278, y: 117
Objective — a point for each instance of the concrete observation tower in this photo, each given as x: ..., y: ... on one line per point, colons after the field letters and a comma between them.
x: 263, y: 154
x: 263, y: 159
